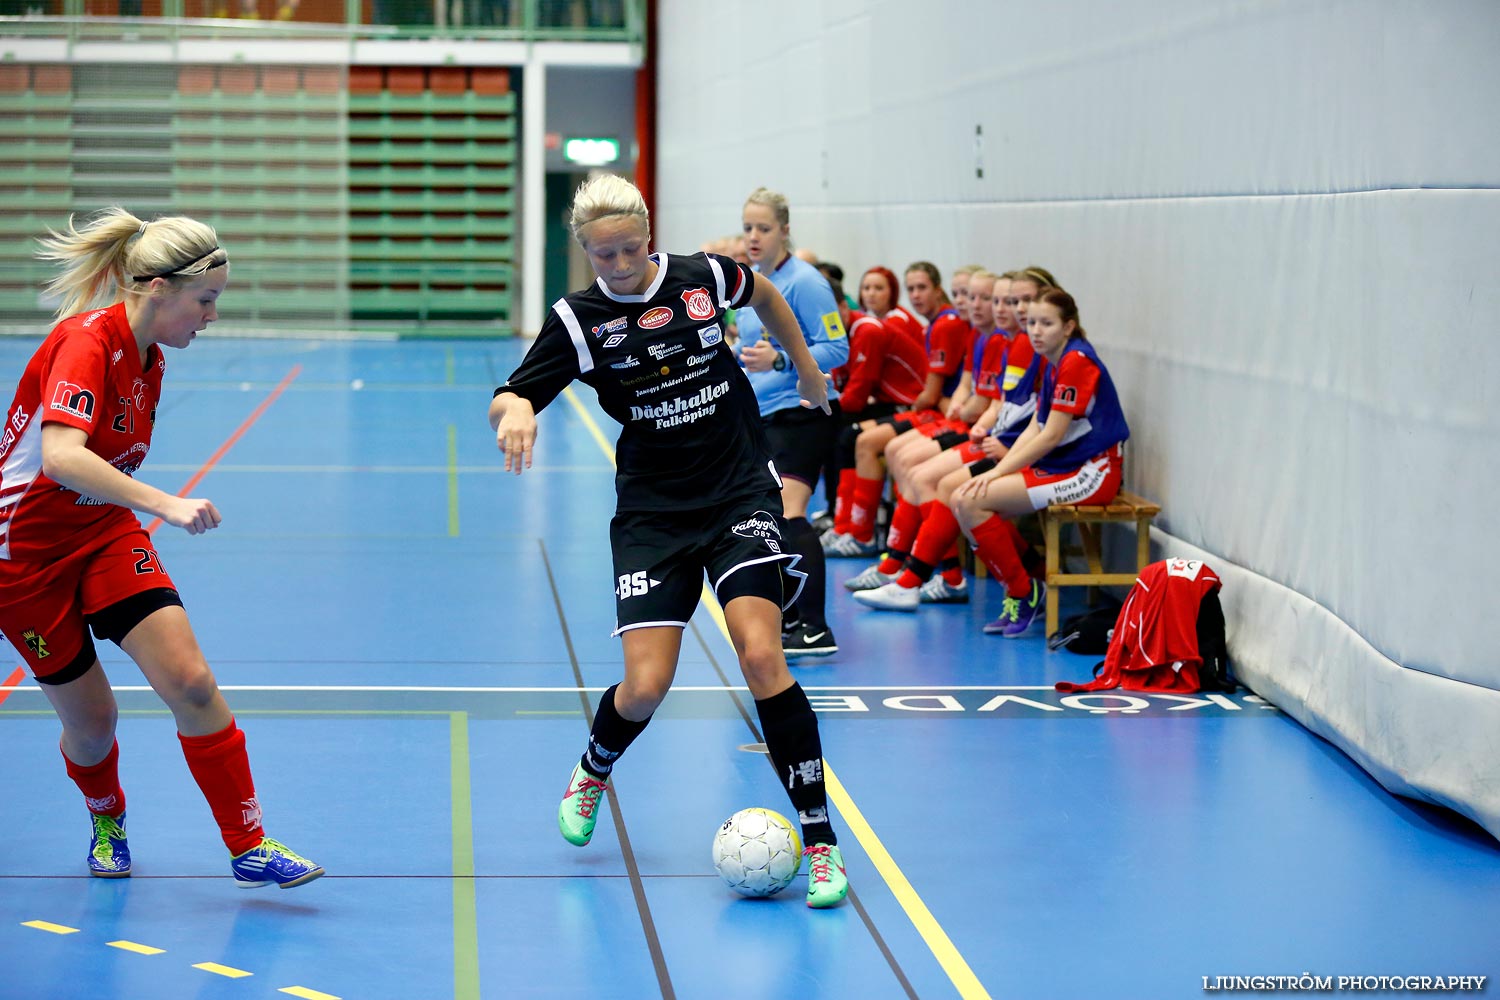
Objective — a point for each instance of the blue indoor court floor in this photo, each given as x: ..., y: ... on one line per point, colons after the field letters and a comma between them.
x: 412, y: 639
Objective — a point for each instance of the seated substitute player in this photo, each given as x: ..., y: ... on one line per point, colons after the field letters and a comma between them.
x: 945, y: 340
x: 887, y: 369
x: 696, y: 490
x: 72, y: 555
x: 1070, y: 453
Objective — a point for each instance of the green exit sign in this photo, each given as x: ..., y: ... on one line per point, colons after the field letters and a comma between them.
x: 591, y: 152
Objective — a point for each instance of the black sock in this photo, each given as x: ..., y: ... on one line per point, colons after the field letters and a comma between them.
x: 1034, y: 563
x: 611, y: 736
x: 803, y: 540
x: 791, y: 732
x: 922, y: 570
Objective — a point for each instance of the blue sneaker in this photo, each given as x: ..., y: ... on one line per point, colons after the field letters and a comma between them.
x: 272, y: 861
x: 1024, y: 612
x: 1017, y: 614
x: 109, y: 855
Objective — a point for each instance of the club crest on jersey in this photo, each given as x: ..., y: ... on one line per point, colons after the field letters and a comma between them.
x: 699, y: 305
x: 615, y: 341
x: 36, y: 643
x: 710, y: 336
x: 654, y: 318
x: 1185, y: 568
x: 613, y: 326
x: 71, y: 399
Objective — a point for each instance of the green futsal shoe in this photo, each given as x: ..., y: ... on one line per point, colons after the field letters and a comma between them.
x: 580, y: 807
x: 109, y: 854
x: 827, y: 885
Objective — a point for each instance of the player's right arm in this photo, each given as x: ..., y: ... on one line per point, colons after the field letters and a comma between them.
x: 514, y: 422
x: 67, y: 460
x: 554, y: 360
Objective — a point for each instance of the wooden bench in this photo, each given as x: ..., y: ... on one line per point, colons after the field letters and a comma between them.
x: 1125, y: 508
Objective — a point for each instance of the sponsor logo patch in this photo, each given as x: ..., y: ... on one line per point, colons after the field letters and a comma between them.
x: 613, y: 326
x: 630, y: 362
x: 698, y: 303
x: 71, y: 399
x: 659, y: 351
x: 658, y: 317
x: 711, y: 336
x: 615, y: 341
x: 758, y: 525
x: 699, y: 359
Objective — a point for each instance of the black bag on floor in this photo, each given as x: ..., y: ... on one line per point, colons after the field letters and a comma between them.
x: 1214, y: 674
x: 1087, y: 634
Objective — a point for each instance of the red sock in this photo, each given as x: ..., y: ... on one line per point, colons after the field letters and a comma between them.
x: 903, y: 531
x: 866, y: 499
x: 938, y: 534
x: 953, y: 570
x: 994, y: 545
x: 100, y: 783
x: 222, y: 769
x: 843, y: 502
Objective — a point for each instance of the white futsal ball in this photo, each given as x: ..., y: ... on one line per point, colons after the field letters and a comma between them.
x: 757, y: 852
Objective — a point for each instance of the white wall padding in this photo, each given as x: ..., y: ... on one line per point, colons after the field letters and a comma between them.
x: 1419, y: 735
x: 1281, y: 220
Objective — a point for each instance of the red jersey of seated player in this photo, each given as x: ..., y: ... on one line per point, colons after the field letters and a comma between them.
x: 884, y: 364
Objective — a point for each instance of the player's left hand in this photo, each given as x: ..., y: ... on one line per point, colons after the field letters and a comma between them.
x: 814, y: 391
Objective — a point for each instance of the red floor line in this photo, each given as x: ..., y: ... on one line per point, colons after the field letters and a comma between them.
x: 213, y: 459
x: 10, y: 683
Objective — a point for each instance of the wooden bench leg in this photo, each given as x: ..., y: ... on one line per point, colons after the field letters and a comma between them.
x: 1054, y: 569
x: 1142, y: 543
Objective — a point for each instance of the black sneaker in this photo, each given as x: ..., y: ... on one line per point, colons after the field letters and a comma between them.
x: 822, y: 521
x: 809, y: 640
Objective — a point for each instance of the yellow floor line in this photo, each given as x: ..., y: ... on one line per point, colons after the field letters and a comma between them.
x: 452, y: 481
x: 42, y: 925
x: 937, y: 940
x: 223, y: 970
x: 139, y: 949
x: 307, y: 994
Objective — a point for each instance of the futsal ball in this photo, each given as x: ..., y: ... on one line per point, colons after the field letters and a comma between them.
x: 757, y: 852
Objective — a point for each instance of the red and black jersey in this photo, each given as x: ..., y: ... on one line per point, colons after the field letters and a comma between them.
x: 884, y: 363
x: 87, y: 374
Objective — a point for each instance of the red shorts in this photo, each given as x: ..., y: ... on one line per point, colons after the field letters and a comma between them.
x: 915, y: 418
x: 970, y: 451
x: 1094, y: 484
x: 936, y: 427
x: 44, y: 605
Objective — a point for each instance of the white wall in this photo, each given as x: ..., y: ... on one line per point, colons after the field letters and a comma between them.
x: 1282, y: 224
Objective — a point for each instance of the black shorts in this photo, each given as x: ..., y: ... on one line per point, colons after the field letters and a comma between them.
x: 800, y: 438
x: 979, y: 468
x: 660, y: 558
x: 877, y: 412
x: 950, y: 439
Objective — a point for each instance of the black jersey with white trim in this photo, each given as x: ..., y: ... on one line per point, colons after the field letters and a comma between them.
x: 691, y: 426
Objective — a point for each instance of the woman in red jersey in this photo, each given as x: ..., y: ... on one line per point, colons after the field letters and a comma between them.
x: 73, y: 556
